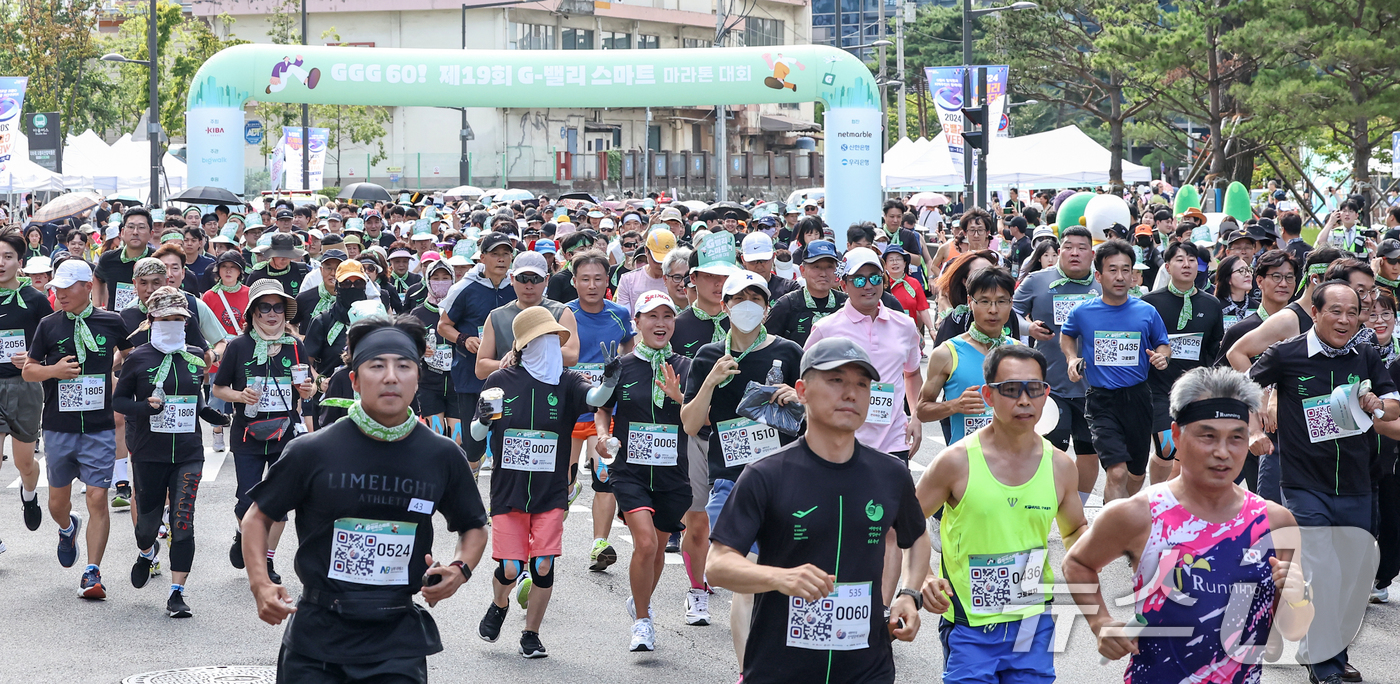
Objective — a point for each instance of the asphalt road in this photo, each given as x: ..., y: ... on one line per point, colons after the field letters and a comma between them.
x: 51, y: 635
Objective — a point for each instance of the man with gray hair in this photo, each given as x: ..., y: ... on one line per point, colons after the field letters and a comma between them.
x: 1167, y: 529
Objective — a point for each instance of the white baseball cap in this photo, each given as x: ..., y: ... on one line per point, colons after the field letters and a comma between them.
x: 738, y: 281
x: 653, y: 298
x: 758, y: 247
x: 72, y: 272
x: 605, y: 224
x: 530, y: 262
x: 39, y: 264
x: 459, y: 260
x: 857, y: 258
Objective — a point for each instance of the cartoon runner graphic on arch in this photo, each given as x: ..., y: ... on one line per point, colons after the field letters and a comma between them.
x: 781, y: 66
x: 293, y: 70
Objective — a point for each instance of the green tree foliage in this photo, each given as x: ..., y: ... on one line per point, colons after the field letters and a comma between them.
x: 54, y: 43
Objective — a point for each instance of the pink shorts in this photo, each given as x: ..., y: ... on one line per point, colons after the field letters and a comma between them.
x: 522, y: 536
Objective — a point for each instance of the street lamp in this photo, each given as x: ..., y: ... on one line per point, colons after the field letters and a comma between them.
x: 153, y: 113
x: 968, y: 15
x: 1022, y: 104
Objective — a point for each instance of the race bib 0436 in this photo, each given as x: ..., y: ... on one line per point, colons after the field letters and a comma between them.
x: 373, y: 552
x: 1006, y: 581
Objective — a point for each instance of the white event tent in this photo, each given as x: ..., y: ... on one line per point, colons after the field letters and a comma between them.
x: 122, y: 167
x: 1064, y: 157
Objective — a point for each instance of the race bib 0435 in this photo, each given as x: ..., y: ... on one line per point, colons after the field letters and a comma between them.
x: 1117, y: 348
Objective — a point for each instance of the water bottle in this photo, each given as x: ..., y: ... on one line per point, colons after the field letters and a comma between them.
x: 775, y: 374
x: 610, y: 445
x: 251, y: 410
x: 432, y: 340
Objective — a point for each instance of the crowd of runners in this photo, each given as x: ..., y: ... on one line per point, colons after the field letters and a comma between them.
x: 741, y: 386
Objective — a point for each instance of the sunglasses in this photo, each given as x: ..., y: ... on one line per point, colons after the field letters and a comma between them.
x: 270, y: 307
x: 629, y: 245
x: 529, y: 278
x: 861, y: 281
x: 1013, y: 389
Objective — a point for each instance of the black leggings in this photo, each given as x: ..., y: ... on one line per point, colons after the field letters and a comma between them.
x: 154, y: 483
x: 249, y: 469
x: 1388, y: 528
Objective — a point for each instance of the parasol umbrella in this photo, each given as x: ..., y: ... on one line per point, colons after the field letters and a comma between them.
x: 207, y: 194
x: 513, y: 195
x: 723, y: 208
x: 462, y: 192
x: 587, y: 197
x: 365, y: 192
x: 928, y: 199
x: 694, y: 205
x: 73, y: 204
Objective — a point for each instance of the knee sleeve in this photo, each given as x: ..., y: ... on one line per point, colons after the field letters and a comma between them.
x: 1166, y: 446
x: 457, y: 433
x: 543, y: 580
x: 505, y: 576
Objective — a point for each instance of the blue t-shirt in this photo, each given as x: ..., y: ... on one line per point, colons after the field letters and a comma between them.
x: 1114, y: 340
x: 468, y: 314
x: 611, y: 325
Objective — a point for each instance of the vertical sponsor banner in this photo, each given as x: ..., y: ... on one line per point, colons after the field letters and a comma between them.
x: 215, y: 144
x: 853, y: 150
x: 279, y: 161
x: 291, y: 152
x: 996, y: 97
x: 946, y: 84
x: 1395, y: 153
x: 11, y: 105
x: 45, y: 144
x: 318, y: 141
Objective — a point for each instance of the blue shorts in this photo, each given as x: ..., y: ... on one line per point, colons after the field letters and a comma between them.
x: 998, y: 653
x: 718, y: 495
x: 88, y: 458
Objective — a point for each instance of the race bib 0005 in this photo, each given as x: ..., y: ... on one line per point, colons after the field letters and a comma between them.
x: 373, y: 552
x: 529, y: 450
x: 839, y: 621
x: 743, y: 441
x: 652, y: 444
x: 83, y: 393
x: 1120, y: 349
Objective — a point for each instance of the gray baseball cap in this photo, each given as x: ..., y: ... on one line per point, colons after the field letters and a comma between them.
x: 833, y: 352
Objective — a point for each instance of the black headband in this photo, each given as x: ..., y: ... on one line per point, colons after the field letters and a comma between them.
x: 381, y: 341
x: 1219, y: 408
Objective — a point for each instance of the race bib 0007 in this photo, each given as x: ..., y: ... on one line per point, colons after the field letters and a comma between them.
x: 373, y: 552
x: 839, y: 621
x: 529, y: 450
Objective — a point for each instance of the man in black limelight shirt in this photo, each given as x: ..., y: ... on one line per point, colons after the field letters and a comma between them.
x: 112, y: 278
x: 364, y: 516
x: 819, y: 510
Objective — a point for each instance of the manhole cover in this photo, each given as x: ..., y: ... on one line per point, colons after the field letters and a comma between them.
x: 221, y: 674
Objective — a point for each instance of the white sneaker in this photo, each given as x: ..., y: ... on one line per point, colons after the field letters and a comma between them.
x: 643, y: 636
x: 218, y: 441
x: 934, y: 525
x: 697, y: 607
x: 1380, y: 595
x: 632, y: 610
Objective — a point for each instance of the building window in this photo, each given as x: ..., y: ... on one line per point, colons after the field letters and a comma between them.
x: 763, y: 31
x: 613, y: 40
x: 648, y: 42
x: 531, y: 37
x: 369, y: 43
x: 789, y: 105
x: 696, y: 43
x: 578, y: 39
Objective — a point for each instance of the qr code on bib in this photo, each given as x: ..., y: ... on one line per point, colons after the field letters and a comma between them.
x: 991, y: 587
x: 353, y: 553
x: 70, y: 394
x: 735, y: 445
x: 1104, y: 353
x: 1320, y: 422
x: 810, y: 621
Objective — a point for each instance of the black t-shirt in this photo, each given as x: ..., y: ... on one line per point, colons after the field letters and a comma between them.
x: 693, y: 333
x: 779, y: 286
x: 561, y: 287
x: 1234, y: 334
x: 20, y: 321
x: 1340, y: 466
x: 290, y: 277
x: 306, y: 307
x: 1203, y: 334
x: 279, y: 398
x: 725, y: 400
x: 338, y: 386
x: 53, y: 340
x: 356, y: 498
x: 533, y: 411
x: 796, y: 506
x: 1020, y: 251
x: 432, y: 380
x: 132, y: 317
x: 416, y: 295
x: 403, y: 287
x: 791, y: 318
x: 323, y: 349
x: 631, y: 404
x: 112, y: 271
x: 183, y: 401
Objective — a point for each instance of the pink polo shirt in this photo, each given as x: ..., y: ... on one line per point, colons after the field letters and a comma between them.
x: 893, y: 344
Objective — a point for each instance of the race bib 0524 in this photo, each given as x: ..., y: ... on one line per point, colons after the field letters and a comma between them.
x: 373, y: 552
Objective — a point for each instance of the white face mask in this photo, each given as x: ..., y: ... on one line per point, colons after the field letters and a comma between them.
x: 542, y: 358
x: 168, y: 336
x: 746, y: 316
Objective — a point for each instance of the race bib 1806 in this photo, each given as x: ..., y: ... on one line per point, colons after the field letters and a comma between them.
x: 839, y: 621
x: 652, y: 444
x: 83, y: 393
x: 441, y: 360
x: 881, y: 410
x: 529, y: 450
x: 176, y: 417
x: 1065, y: 303
x: 1117, y: 348
x: 371, y: 551
x: 743, y: 441
x: 1187, y: 346
x: 11, y: 343
x: 1006, y: 581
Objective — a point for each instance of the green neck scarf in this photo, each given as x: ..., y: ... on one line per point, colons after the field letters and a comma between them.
x: 718, y: 333
x: 400, y: 282
x: 986, y: 340
x: 431, y: 307
x: 1066, y: 279
x: 324, y: 301
x: 385, y: 433
x: 1135, y: 291
x: 1185, y: 296
x: 955, y: 311
x: 1263, y: 315
x: 812, y: 304
x: 122, y: 253
x: 1392, y: 284
x: 167, y: 362
x: 729, y: 344
x: 82, y: 337
x: 7, y: 296
x: 267, y: 266
x: 657, y: 359
x: 221, y: 287
x: 261, y: 345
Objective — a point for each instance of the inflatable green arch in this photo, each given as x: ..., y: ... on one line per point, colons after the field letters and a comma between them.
x: 510, y: 78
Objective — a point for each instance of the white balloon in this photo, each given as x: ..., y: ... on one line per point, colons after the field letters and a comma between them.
x: 1103, y: 211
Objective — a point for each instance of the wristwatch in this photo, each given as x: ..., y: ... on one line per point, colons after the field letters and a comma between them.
x: 918, y: 598
x: 466, y: 571
x: 1307, y: 597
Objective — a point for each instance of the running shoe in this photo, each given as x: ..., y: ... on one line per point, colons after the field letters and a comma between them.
x: 122, y: 499
x: 92, y: 585
x: 235, y: 552
x: 490, y: 628
x: 175, y: 606
x: 673, y: 543
x: 632, y: 610
x: 219, y: 441
x: 1380, y: 595
x: 141, y: 570
x: 602, y: 555
x: 530, y: 645
x: 697, y: 607
x: 643, y: 636
x: 272, y: 574
x: 68, y: 543
x: 522, y: 590
x: 33, y: 516
x: 574, y: 490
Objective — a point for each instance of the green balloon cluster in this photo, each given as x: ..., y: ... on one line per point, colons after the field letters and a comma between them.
x: 1072, y: 209
x: 1186, y: 198
x: 1237, y: 202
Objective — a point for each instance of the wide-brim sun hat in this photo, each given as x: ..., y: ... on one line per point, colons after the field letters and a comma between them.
x: 532, y: 323
x: 263, y: 288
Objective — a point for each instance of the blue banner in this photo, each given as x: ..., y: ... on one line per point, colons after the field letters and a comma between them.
x: 11, y: 106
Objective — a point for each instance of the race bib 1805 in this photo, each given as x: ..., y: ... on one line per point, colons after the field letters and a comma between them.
x: 371, y: 551
x: 743, y: 441
x: 529, y: 450
x: 83, y: 393
x: 1117, y: 348
x: 839, y: 621
x: 652, y: 444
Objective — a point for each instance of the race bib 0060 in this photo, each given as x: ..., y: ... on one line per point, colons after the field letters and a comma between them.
x: 839, y: 621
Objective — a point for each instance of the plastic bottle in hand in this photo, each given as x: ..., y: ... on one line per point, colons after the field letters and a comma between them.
x: 775, y: 374
x: 251, y: 410
x: 610, y: 445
